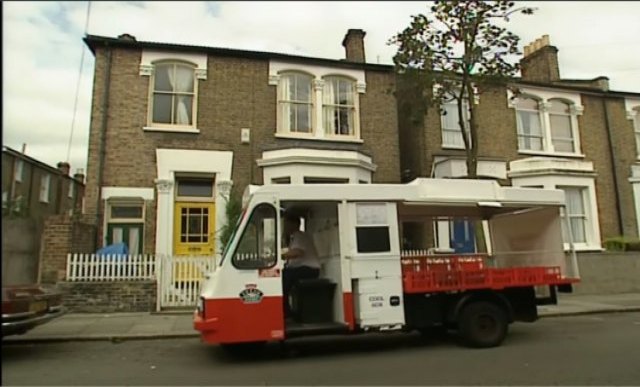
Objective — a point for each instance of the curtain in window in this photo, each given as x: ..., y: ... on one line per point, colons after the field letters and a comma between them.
x: 134, y: 235
x: 330, y: 112
x: 560, y: 121
x: 285, y: 106
x: 576, y: 213
x: 117, y: 235
x: 339, y: 106
x: 183, y: 84
x: 295, y: 99
x: 529, y: 130
x: 451, y: 134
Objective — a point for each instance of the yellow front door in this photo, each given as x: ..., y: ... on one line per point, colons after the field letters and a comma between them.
x: 194, y: 227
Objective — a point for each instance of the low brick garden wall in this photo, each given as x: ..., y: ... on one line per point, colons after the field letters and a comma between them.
x: 109, y: 297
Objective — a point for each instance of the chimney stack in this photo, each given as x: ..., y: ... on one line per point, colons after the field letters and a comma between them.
x: 128, y: 37
x: 540, y: 61
x: 353, y: 43
x: 64, y: 167
x: 79, y: 175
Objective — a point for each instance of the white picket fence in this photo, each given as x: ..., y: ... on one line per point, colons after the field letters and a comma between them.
x: 117, y: 267
x: 178, y: 278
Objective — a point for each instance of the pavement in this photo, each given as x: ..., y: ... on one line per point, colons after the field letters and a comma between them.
x: 140, y: 326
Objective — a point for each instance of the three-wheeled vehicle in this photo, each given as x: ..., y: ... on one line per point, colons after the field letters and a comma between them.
x: 370, y: 282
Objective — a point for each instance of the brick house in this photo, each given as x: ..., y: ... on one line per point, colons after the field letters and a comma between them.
x: 575, y: 135
x: 33, y: 193
x: 38, y: 190
x: 175, y: 128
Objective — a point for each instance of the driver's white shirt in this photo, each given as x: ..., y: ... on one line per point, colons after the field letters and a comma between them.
x: 302, y: 241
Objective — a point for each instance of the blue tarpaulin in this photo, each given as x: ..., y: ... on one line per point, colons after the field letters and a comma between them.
x: 118, y: 250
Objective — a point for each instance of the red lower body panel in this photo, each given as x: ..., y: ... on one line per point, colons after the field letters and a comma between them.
x: 234, y: 321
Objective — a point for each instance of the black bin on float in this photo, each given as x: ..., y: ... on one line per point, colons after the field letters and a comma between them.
x: 312, y: 300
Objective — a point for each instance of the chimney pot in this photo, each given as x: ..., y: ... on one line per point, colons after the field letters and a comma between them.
x: 64, y: 167
x: 79, y: 175
x: 128, y: 37
x: 353, y: 43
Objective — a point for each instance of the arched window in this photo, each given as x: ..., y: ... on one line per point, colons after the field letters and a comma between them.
x: 338, y: 106
x: 560, y: 126
x: 530, y: 135
x: 295, y: 100
x: 173, y: 94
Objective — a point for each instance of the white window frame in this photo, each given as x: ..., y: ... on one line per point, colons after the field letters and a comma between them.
x: 545, y: 98
x: 19, y: 170
x: 319, y: 76
x: 197, y: 60
x: 355, y: 108
x: 566, y: 214
x: 45, y: 185
x: 284, y: 126
x: 587, y: 184
x: 193, y: 94
x: 632, y: 106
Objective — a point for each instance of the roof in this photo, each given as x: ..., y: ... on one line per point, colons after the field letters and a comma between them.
x: 31, y: 160
x: 579, y: 88
x: 94, y: 41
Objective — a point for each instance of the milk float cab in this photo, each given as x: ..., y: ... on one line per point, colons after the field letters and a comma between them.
x: 369, y: 282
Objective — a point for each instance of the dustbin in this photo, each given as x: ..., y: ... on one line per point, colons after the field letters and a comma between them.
x: 313, y: 300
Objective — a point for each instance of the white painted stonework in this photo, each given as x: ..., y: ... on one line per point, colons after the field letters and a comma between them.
x: 151, y: 56
x: 172, y: 161
x: 276, y: 67
x: 631, y: 104
x: 546, y: 165
x: 298, y: 163
x: 445, y: 167
x: 127, y: 192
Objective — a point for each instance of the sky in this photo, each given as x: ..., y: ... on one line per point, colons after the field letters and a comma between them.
x: 43, y: 52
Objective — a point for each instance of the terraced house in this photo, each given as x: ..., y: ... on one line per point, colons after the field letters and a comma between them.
x: 575, y: 135
x: 174, y: 128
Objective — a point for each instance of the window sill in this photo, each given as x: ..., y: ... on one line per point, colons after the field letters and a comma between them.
x: 171, y: 130
x: 551, y: 154
x: 312, y: 138
x: 583, y: 247
x: 452, y: 147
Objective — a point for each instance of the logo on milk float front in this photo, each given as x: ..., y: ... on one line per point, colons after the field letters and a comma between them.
x: 251, y: 294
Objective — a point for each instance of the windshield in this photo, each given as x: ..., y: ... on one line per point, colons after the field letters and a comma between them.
x: 233, y: 234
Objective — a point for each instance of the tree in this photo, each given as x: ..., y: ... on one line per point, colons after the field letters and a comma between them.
x: 454, y: 53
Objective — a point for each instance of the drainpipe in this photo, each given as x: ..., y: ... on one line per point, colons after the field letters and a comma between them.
x: 103, y: 138
x: 613, y: 166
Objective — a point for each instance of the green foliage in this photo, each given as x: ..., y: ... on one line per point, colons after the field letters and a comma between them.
x: 621, y: 243
x: 16, y: 208
x: 233, y: 210
x: 461, y: 50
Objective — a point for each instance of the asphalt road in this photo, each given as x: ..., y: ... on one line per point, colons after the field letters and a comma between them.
x: 579, y: 350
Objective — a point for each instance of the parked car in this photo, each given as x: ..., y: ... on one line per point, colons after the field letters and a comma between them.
x: 26, y: 306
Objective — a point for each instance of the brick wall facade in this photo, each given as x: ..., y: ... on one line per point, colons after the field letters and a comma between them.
x: 62, y: 235
x: 109, y: 297
x: 235, y: 95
